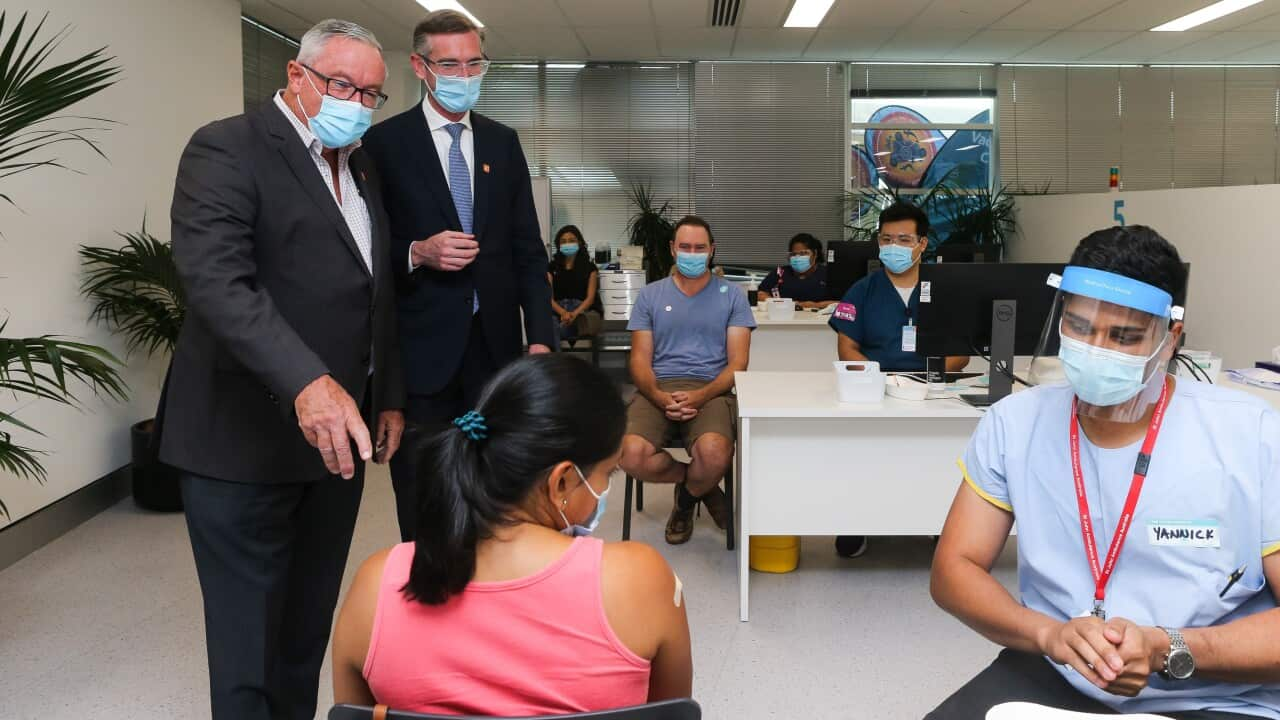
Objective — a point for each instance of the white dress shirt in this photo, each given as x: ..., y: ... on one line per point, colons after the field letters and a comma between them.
x: 354, y: 211
x: 443, y: 141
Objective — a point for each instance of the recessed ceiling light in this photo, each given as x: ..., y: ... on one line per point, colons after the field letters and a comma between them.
x: 434, y: 5
x: 1204, y: 15
x: 808, y: 13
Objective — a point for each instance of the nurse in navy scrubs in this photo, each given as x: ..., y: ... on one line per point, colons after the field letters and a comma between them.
x: 804, y: 278
x: 876, y: 319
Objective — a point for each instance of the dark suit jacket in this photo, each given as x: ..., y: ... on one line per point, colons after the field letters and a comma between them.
x: 277, y: 296
x: 510, y: 272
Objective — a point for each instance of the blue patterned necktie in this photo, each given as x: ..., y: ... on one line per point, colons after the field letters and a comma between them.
x: 460, y: 189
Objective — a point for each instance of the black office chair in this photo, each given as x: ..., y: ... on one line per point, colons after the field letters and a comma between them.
x: 666, y: 710
x: 636, y: 488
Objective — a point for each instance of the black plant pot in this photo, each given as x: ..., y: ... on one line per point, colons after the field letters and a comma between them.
x: 155, y: 485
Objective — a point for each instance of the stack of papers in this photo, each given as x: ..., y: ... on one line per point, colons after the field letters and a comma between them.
x: 1031, y: 711
x: 1258, y: 377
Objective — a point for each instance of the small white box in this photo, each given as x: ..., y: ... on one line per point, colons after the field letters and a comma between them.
x: 859, y: 381
x: 780, y: 308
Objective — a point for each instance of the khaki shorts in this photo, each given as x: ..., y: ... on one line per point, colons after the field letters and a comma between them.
x: 719, y: 415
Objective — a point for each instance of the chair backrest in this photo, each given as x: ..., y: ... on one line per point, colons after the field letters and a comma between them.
x: 684, y: 709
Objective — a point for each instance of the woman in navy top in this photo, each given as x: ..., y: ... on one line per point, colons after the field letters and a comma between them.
x: 804, y: 279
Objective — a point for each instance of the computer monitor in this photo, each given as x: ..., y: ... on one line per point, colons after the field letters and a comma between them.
x: 997, y: 310
x: 848, y: 261
x: 964, y: 253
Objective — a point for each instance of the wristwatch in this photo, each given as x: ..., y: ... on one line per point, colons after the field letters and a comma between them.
x: 1178, y: 663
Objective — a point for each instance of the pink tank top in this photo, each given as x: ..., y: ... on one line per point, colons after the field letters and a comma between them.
x: 540, y: 645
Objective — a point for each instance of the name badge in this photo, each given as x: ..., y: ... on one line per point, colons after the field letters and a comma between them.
x: 845, y: 311
x: 908, y: 338
x: 1184, y: 533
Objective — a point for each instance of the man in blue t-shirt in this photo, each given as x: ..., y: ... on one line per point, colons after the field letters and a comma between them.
x: 689, y: 334
x: 877, y: 318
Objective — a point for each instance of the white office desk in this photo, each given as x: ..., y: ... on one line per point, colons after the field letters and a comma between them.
x: 809, y: 465
x: 805, y: 343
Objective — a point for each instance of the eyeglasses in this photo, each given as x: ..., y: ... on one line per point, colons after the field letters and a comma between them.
x: 343, y: 90
x: 453, y: 68
x: 903, y: 239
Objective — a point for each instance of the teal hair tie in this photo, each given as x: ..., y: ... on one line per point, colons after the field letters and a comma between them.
x: 472, y: 425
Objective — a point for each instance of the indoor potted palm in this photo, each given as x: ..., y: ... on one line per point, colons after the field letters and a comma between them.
x: 652, y: 228
x: 32, y: 93
x: 136, y: 292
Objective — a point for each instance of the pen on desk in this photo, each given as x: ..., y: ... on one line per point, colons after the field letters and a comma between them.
x: 1232, y: 579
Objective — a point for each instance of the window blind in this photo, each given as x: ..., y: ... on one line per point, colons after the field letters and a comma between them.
x: 265, y: 54
x: 768, y: 155
x: 596, y: 131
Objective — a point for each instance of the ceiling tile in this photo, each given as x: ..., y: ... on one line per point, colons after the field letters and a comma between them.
x: 965, y: 14
x: 1270, y: 22
x: 1269, y: 54
x: 695, y: 43
x: 614, y: 43
x: 773, y: 44
x: 764, y: 13
x: 272, y: 15
x: 872, y: 13
x: 1140, y: 14
x: 841, y: 44
x: 550, y: 42
x: 998, y: 45
x: 681, y: 13
x: 505, y: 13
x: 922, y: 43
x: 1071, y: 46
x: 594, y: 13
x: 1144, y: 46
x: 1052, y: 14
x: 1217, y: 47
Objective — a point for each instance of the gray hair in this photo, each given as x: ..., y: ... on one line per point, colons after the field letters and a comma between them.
x: 321, y: 33
x: 443, y: 22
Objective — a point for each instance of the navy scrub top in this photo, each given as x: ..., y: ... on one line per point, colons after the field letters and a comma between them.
x: 872, y: 315
x: 801, y: 289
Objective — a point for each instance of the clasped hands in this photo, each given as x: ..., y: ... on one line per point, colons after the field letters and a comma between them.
x: 1117, y: 655
x: 681, y: 405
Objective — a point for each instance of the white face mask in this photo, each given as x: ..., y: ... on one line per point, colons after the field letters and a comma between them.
x: 594, y: 521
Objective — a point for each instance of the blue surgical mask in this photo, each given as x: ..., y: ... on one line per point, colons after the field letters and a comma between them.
x: 569, y: 249
x: 1100, y: 376
x: 339, y: 122
x: 801, y: 263
x: 457, y: 94
x: 692, y: 265
x: 593, y: 522
x: 896, y: 258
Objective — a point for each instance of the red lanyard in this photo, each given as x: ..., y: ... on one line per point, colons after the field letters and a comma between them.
x: 1102, y: 573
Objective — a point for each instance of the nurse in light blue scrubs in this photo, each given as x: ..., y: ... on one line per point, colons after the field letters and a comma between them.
x: 1148, y: 513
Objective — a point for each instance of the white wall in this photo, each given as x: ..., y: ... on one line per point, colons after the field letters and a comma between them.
x: 182, y: 68
x: 1227, y: 234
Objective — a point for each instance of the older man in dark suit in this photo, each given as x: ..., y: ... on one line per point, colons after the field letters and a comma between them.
x: 465, y: 239
x: 288, y: 356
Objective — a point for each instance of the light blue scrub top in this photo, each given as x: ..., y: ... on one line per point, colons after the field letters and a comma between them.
x: 1210, y: 504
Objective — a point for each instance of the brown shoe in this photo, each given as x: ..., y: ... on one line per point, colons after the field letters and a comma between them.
x: 680, y: 524
x: 717, y: 506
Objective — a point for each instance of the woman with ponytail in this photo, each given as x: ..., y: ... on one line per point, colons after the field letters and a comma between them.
x: 504, y: 605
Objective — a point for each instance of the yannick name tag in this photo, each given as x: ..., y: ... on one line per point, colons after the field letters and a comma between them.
x: 1184, y: 533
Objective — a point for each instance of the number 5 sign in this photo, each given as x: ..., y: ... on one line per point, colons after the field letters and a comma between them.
x: 1119, y: 218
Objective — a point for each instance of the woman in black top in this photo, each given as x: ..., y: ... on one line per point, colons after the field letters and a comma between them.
x: 575, y: 282
x: 804, y: 279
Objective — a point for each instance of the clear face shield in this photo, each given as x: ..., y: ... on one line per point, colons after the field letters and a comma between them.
x: 1109, y: 337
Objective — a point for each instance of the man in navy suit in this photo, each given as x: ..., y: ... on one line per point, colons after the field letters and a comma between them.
x: 465, y: 239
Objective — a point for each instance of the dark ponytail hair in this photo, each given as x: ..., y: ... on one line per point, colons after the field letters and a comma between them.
x: 539, y: 411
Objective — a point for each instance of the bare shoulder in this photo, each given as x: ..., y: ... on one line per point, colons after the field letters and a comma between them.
x: 637, y: 570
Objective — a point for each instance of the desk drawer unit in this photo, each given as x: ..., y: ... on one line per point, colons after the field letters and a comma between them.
x: 618, y: 293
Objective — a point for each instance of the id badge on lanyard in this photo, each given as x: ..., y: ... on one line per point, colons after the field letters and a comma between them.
x: 1102, y: 571
x: 908, y: 337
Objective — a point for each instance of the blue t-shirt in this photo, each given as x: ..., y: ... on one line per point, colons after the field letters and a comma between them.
x: 801, y: 289
x: 1210, y: 505
x: 690, y: 334
x: 872, y: 314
